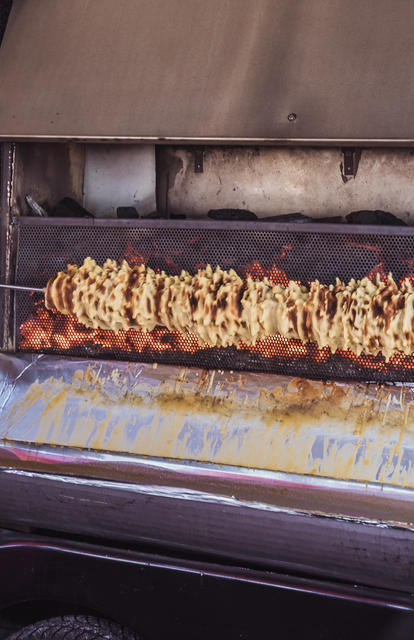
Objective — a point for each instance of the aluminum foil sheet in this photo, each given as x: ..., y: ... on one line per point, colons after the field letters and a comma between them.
x: 340, y: 430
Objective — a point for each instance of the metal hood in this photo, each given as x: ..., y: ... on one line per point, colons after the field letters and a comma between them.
x: 262, y: 71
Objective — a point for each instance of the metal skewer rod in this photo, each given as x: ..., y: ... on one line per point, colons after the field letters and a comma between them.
x: 19, y: 288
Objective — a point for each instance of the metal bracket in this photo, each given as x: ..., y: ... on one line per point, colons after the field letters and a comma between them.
x: 349, y: 166
x: 198, y: 159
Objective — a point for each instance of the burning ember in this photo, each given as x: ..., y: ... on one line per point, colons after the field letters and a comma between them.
x: 48, y: 330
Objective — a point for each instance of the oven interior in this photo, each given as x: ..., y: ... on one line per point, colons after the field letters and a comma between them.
x: 173, y: 198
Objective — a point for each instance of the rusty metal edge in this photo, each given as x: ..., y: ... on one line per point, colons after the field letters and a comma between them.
x: 225, y: 225
x: 266, y: 142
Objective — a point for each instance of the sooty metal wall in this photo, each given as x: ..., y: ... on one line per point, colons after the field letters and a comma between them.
x: 281, y: 252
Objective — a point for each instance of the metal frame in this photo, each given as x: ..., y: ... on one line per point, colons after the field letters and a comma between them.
x: 192, y: 590
x: 269, y: 580
x: 205, y: 141
x: 7, y: 238
x: 249, y: 241
x: 250, y: 532
x: 225, y: 225
x: 281, y: 57
x: 369, y: 502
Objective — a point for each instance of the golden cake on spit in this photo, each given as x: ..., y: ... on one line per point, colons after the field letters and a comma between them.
x: 222, y: 309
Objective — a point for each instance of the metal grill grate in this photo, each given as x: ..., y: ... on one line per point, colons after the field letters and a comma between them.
x: 310, y: 252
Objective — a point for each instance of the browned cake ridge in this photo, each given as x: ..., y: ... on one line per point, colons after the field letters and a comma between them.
x: 222, y: 309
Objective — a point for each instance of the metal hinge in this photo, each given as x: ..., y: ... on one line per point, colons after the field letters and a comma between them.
x: 198, y: 159
x: 349, y: 166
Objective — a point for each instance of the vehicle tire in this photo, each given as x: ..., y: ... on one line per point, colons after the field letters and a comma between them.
x: 74, y: 628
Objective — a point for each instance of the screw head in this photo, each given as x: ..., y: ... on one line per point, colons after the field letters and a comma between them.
x: 292, y: 117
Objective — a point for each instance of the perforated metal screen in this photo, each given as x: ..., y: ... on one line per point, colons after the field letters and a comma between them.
x: 302, y: 253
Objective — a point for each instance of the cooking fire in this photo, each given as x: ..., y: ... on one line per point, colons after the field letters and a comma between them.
x: 135, y: 308
x: 222, y: 309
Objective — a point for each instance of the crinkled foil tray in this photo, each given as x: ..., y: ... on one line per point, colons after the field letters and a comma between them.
x: 292, y: 472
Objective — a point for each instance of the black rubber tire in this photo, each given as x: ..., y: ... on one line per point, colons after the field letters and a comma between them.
x: 74, y: 628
